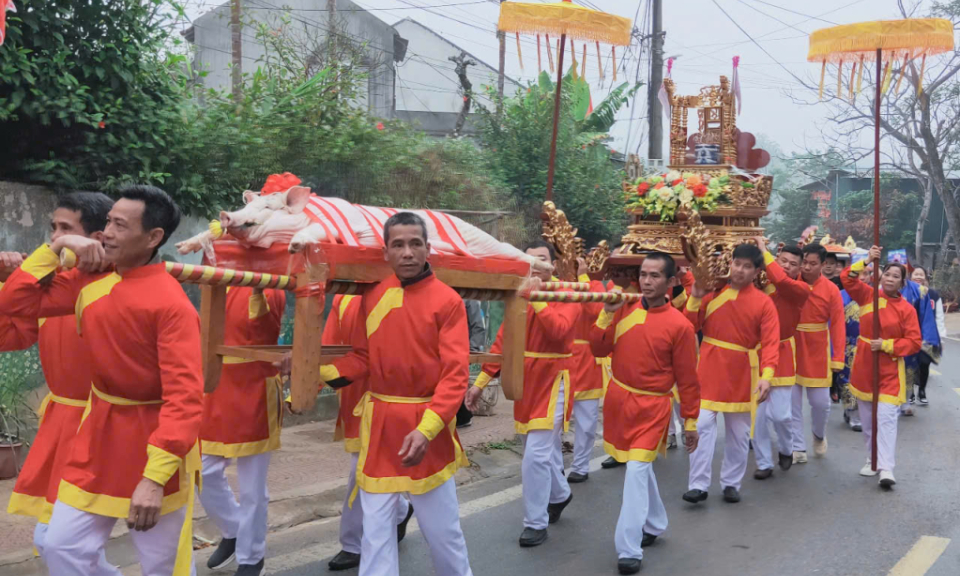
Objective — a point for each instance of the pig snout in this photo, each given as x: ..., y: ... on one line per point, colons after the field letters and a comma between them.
x: 225, y: 219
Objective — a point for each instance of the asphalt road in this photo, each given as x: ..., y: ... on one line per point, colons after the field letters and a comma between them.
x: 821, y: 518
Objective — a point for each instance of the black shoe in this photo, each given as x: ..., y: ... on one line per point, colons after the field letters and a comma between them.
x: 913, y: 398
x: 763, y: 474
x: 344, y: 561
x: 610, y: 462
x: 251, y: 569
x: 857, y: 428
x: 576, y: 477
x: 628, y: 565
x: 731, y: 495
x: 555, y: 510
x: 785, y: 461
x: 225, y: 553
x: 922, y: 397
x: 402, y: 527
x: 695, y: 496
x: 530, y: 537
x: 648, y: 539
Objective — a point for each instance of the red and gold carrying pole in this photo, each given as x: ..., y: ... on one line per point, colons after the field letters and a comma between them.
x: 584, y: 297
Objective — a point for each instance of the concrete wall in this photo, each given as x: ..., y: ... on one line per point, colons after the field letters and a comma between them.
x: 427, y: 84
x: 307, y: 19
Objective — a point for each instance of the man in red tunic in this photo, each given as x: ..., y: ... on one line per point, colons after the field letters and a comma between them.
x: 637, y: 405
x: 789, y: 294
x: 821, y: 339
x: 137, y: 452
x: 344, y: 315
x: 66, y: 368
x: 586, y: 381
x: 408, y: 438
x: 242, y: 420
x: 543, y: 413
x: 738, y: 357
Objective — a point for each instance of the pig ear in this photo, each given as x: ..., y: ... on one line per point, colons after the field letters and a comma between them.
x: 297, y: 198
x: 249, y: 196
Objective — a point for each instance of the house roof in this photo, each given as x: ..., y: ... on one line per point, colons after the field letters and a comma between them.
x: 479, y: 61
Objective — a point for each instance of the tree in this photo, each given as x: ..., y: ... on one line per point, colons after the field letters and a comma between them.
x: 793, y: 207
x: 587, y: 184
x: 899, y: 211
x: 87, y: 91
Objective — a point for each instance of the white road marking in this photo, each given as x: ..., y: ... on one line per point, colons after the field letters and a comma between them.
x: 921, y: 557
x: 935, y: 372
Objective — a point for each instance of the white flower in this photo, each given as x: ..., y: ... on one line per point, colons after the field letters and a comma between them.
x: 672, y: 176
x: 686, y: 197
x: 665, y: 194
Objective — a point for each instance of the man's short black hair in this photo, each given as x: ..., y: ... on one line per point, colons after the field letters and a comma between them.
x: 159, y: 209
x: 92, y: 206
x: 749, y: 252
x: 833, y: 256
x: 669, y: 264
x: 795, y: 250
x: 541, y: 243
x: 403, y: 219
x: 817, y: 249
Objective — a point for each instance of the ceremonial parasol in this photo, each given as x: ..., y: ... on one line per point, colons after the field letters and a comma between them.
x: 568, y: 20
x: 865, y: 41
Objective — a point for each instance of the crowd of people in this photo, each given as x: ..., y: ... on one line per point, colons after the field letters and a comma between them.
x: 127, y: 431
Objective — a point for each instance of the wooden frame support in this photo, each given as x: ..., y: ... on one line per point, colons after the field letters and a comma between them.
x: 307, y: 347
x: 213, y: 311
x: 514, y: 345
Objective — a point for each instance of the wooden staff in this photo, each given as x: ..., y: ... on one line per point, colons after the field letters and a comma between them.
x: 575, y: 286
x: 194, y: 274
x: 876, y: 265
x: 584, y: 297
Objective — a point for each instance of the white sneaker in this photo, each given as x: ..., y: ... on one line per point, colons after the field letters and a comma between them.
x: 819, y: 447
x: 906, y: 410
x: 886, y: 479
x: 868, y: 470
x: 799, y: 457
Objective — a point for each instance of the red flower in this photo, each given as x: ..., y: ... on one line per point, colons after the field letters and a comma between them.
x: 465, y: 98
x: 643, y: 187
x: 659, y: 185
x: 379, y: 125
x: 677, y: 181
x: 700, y: 190
x: 102, y: 124
x: 279, y: 183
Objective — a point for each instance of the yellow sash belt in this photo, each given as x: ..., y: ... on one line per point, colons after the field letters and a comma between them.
x: 51, y: 397
x: 191, y: 466
x: 662, y: 446
x: 754, y: 359
x: 546, y: 355
x: 812, y: 327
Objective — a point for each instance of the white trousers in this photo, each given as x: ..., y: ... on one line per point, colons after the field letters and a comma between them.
x: 75, y: 540
x: 819, y: 400
x: 39, y: 543
x: 584, y: 433
x: 245, y: 520
x: 736, y: 449
x: 438, y: 515
x: 641, y: 511
x: 351, y: 519
x: 674, y: 418
x: 542, y: 467
x: 778, y: 411
x: 887, y: 415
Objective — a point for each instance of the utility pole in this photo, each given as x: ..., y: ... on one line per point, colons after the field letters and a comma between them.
x: 236, y: 79
x: 332, y: 30
x: 503, y: 52
x: 656, y: 79
x: 465, y: 86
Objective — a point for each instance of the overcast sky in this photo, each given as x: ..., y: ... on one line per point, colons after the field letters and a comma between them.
x: 697, y: 31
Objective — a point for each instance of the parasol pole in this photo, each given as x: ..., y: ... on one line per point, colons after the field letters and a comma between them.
x: 556, y: 118
x: 876, y: 265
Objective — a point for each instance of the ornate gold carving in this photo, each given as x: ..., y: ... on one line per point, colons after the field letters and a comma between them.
x: 716, y: 115
x: 559, y: 232
x: 597, y: 257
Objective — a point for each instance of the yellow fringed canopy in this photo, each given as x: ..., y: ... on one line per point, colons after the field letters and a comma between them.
x: 567, y: 18
x: 920, y: 37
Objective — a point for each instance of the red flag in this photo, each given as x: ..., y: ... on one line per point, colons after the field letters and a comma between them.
x: 736, y: 82
x: 4, y: 6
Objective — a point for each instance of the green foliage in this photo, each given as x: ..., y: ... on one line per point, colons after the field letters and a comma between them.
x: 88, y: 92
x: 19, y: 374
x: 587, y: 186
x: 899, y: 212
x: 793, y: 208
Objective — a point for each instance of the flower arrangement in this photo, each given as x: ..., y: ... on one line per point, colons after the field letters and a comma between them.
x: 665, y: 194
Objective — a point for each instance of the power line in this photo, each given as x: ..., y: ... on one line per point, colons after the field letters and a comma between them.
x: 795, y: 12
x: 362, y: 9
x: 759, y: 11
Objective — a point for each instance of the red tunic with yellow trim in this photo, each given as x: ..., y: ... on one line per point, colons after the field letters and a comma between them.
x: 637, y: 405
x: 66, y: 368
x: 413, y: 350
x: 900, y: 332
x: 546, y: 361
x: 143, y: 420
x: 822, y: 323
x: 344, y: 316
x: 741, y: 344
x: 586, y: 370
x: 243, y: 416
x: 788, y: 296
